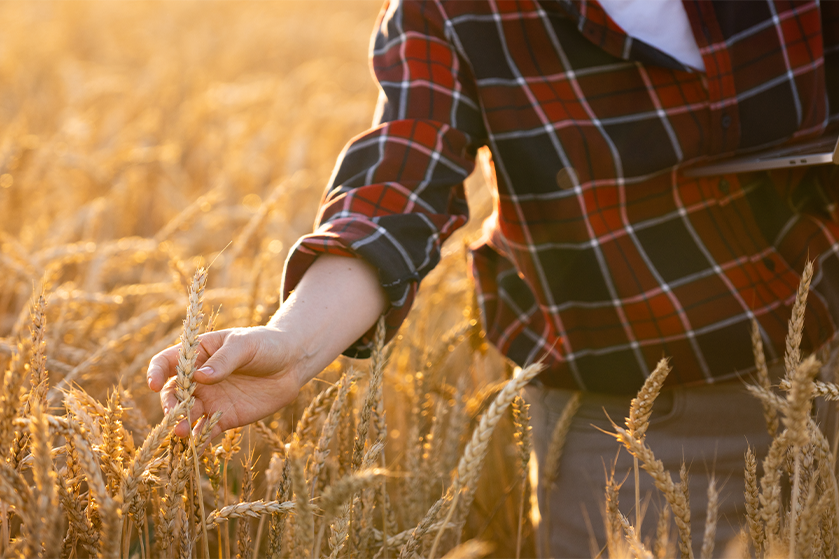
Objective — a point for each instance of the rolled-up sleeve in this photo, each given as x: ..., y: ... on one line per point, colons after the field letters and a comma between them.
x: 397, y: 190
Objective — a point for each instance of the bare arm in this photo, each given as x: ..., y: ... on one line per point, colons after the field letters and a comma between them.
x: 336, y: 302
x: 249, y: 373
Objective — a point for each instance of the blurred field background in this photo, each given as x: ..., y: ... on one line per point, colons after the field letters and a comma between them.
x: 139, y: 140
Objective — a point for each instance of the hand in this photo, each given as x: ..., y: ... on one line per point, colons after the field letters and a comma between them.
x: 249, y: 373
x: 245, y: 373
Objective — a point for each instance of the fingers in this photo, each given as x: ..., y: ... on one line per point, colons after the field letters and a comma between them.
x: 225, y: 357
x: 169, y: 399
x: 161, y: 367
x: 165, y: 364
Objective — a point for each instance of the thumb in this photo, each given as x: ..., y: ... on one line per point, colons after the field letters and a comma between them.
x: 232, y: 354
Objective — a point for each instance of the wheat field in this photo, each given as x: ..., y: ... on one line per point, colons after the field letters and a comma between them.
x: 157, y: 161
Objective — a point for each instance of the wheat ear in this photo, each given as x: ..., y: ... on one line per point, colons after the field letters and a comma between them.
x: 372, y: 396
x: 674, y: 494
x: 469, y: 467
x: 317, y: 408
x: 640, y: 410
x: 45, y: 482
x: 799, y: 402
x: 38, y: 360
x: 339, y: 531
x: 708, y: 538
x: 244, y: 543
x: 524, y: 445
x: 555, y: 447
x: 770, y: 484
x: 827, y: 390
x: 661, y: 549
x: 188, y: 353
x: 304, y: 532
x: 329, y: 426
x: 611, y: 514
x: 253, y: 509
x: 792, y: 356
x: 152, y: 447
x: 635, y: 545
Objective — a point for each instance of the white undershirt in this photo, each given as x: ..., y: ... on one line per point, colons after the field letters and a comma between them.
x: 661, y: 23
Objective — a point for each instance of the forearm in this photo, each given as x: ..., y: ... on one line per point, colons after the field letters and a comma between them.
x: 335, y: 303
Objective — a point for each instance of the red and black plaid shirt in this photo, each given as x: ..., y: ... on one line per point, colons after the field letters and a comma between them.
x: 619, y: 259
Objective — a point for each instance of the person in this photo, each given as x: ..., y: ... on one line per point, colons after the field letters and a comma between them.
x: 600, y: 257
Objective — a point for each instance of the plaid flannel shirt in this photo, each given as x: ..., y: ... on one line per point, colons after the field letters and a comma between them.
x: 600, y: 254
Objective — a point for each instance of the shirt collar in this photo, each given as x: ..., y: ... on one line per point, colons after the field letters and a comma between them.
x: 596, y: 26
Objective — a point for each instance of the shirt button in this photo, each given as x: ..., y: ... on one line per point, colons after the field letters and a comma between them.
x: 724, y: 187
x: 769, y: 263
x: 725, y: 121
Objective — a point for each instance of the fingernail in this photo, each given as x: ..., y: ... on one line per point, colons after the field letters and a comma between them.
x: 207, y: 371
x: 166, y: 410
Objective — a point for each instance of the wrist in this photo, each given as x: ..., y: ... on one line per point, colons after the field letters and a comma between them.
x: 287, y: 351
x: 336, y: 302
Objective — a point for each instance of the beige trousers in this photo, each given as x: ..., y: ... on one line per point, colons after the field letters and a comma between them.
x: 707, y: 426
